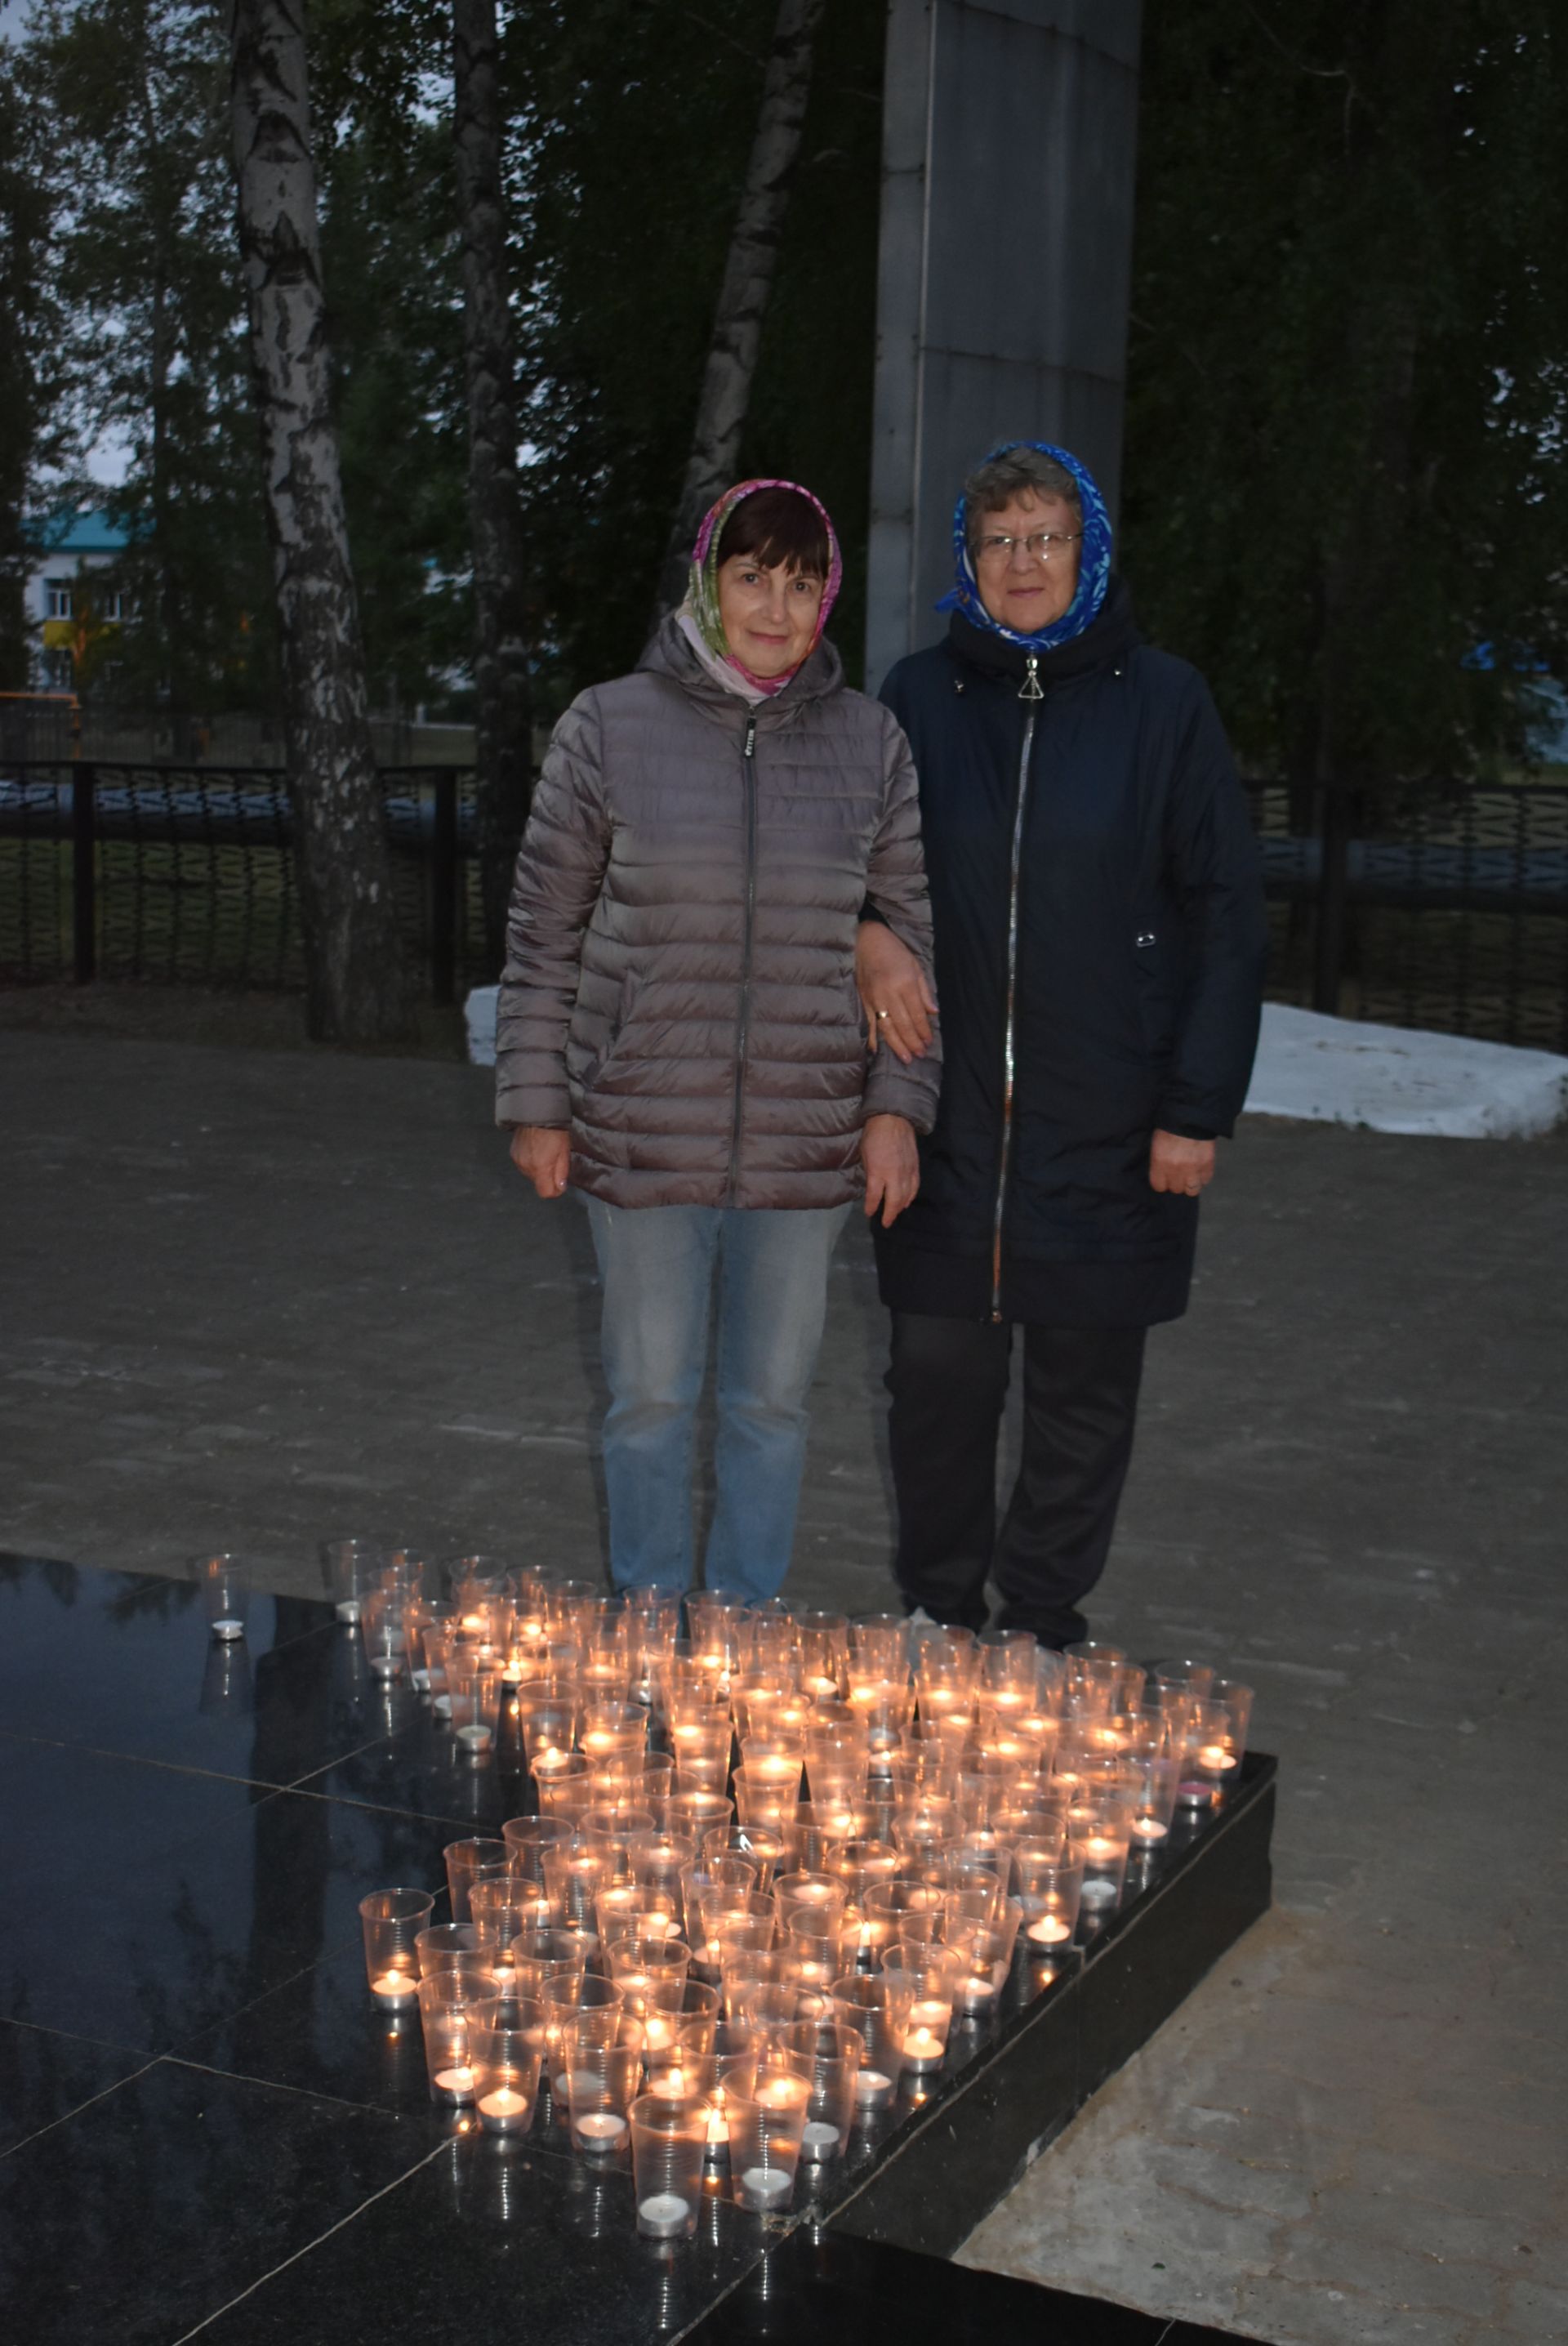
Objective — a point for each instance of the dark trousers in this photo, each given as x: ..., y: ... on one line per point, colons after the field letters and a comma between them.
x: 948, y: 1379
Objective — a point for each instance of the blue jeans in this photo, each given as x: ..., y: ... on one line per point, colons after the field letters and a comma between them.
x: 656, y: 1263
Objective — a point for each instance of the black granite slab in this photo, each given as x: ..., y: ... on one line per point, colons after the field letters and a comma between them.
x: 131, y: 2221
x: 203, y: 2120
x: 151, y: 1941
x: 486, y: 2243
x: 833, y: 2289
x: 45, y: 2075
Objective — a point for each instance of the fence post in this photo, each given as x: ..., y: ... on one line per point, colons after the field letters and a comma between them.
x: 444, y: 889
x: 1333, y: 889
x: 83, y: 875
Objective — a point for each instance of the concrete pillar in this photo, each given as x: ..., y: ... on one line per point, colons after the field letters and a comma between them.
x: 1009, y: 147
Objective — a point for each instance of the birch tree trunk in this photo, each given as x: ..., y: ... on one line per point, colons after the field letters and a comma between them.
x: 502, y: 714
x: 747, y: 282
x: 356, y: 985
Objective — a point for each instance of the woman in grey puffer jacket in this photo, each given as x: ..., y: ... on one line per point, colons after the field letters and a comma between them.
x: 679, y: 1034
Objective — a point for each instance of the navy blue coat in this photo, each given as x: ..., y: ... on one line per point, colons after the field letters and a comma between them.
x: 1141, y: 941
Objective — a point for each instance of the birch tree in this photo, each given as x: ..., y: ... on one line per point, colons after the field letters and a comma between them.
x: 747, y: 282
x: 356, y: 987
x: 502, y: 713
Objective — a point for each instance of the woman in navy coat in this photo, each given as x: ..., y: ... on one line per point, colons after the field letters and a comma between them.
x: 1100, y: 939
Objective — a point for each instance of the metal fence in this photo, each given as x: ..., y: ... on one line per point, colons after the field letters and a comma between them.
x: 1445, y: 908
x: 185, y: 875
x: 1438, y: 906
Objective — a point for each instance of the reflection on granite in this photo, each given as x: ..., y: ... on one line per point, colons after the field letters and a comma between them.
x: 195, y: 2088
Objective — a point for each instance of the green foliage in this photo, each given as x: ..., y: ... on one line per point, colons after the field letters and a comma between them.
x: 395, y: 320
x: 29, y: 435
x: 1346, y: 432
x: 154, y: 348
x: 632, y: 125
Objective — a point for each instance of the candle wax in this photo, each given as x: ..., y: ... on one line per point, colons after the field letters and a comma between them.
x: 602, y: 2131
x: 1149, y: 1828
x: 394, y: 1986
x: 504, y: 2109
x: 662, y: 2213
x: 768, y: 2183
x: 1050, y: 1930
x: 459, y: 2082
x: 872, y: 2085
x: 819, y: 2139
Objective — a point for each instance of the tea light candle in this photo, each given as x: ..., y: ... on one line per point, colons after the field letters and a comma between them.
x: 923, y: 2049
x: 717, y: 2126
x: 394, y: 1991
x: 663, y: 2214
x: 476, y: 1738
x: 457, y: 2084
x: 1215, y: 1758
x: 602, y: 2130
x: 976, y: 1993
x: 504, y: 2111
x: 1099, y: 1850
x: 1049, y: 1931
x: 765, y: 2186
x: 820, y: 2140
x: 873, y: 2089
x: 550, y: 1759
x: 781, y: 2092
x: 1147, y: 1829
x: 822, y: 1685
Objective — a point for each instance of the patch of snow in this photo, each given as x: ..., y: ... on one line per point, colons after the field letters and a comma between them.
x: 1403, y: 1079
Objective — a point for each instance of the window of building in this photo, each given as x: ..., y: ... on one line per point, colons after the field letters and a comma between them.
x: 57, y: 593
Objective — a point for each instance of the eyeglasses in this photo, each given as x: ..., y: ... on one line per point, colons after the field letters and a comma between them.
x: 1039, y: 544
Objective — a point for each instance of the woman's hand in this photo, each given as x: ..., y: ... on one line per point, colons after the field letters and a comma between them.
x: 543, y: 1153
x: 891, y: 1160
x: 1182, y: 1166
x: 899, y: 1005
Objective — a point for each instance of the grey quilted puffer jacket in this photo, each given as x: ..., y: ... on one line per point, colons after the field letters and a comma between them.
x: 679, y: 986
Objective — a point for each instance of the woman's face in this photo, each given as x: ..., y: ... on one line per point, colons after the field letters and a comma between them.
x: 770, y: 616
x: 1027, y: 586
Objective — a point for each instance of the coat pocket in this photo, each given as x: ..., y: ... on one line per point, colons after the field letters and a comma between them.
x: 1158, y: 993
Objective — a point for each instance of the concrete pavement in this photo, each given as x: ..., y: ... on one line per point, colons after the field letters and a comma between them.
x: 255, y: 1299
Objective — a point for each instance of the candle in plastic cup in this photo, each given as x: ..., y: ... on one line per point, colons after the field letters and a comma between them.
x: 670, y: 2141
x: 392, y: 1921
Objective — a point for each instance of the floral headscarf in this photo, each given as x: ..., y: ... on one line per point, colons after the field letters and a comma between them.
x: 1094, y: 564
x: 699, y: 614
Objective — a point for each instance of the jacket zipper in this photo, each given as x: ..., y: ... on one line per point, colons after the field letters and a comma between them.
x: 1031, y: 693
x: 742, y: 1024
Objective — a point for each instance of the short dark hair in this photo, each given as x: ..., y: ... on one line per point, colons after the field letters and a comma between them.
x: 774, y: 527
x: 1021, y: 470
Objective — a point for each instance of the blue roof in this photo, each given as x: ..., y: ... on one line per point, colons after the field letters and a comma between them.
x: 73, y: 532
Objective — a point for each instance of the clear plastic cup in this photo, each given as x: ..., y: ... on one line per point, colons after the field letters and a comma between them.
x: 876, y: 2006
x: 827, y: 2052
x: 452, y: 2004
x: 449, y: 1947
x: 477, y: 1859
x: 505, y: 2050
x: 931, y: 1973
x: 225, y: 1593
x: 392, y: 1921
x: 669, y: 2148
x: 602, y: 2079
x: 527, y: 1839
x: 765, y: 2107
x: 540, y: 1956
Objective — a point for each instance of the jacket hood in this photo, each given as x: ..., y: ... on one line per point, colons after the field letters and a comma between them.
x: 1109, y: 636
x: 1094, y: 562
x: 670, y: 653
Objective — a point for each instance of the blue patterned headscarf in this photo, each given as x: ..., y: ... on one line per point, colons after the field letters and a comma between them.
x: 1093, y: 559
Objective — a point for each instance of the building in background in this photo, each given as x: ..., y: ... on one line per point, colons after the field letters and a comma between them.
x: 68, y: 613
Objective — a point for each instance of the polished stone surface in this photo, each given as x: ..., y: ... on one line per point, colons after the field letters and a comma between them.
x: 206, y: 2124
